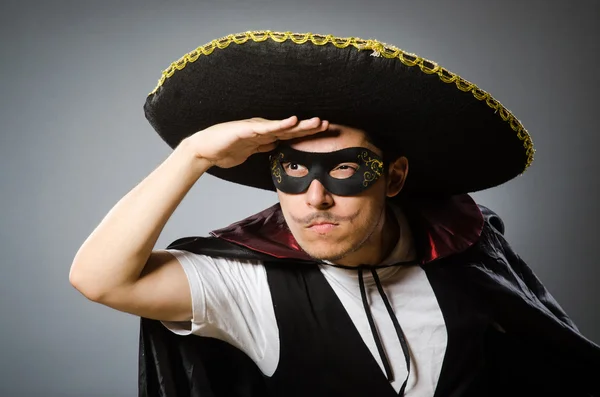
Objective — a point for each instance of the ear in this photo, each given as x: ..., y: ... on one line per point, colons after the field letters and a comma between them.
x: 397, y: 172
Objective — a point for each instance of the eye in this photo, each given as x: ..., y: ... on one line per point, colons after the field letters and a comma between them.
x: 344, y: 170
x: 294, y: 169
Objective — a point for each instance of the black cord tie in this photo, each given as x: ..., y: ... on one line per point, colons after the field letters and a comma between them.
x: 399, y: 333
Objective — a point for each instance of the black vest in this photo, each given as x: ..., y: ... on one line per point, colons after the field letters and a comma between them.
x: 322, y: 353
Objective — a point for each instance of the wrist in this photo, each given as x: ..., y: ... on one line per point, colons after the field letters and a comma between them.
x: 186, y: 155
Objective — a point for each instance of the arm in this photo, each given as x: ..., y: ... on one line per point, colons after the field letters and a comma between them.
x: 116, y: 266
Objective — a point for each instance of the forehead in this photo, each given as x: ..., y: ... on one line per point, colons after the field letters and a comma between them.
x: 336, y: 137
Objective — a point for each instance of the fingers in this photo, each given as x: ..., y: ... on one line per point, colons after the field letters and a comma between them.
x: 288, y: 128
x: 308, y: 124
x: 303, y: 128
x: 265, y: 127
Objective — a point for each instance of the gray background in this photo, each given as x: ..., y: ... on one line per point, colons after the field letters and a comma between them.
x: 74, y: 76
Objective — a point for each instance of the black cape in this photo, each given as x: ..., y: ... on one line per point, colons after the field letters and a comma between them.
x: 538, y: 350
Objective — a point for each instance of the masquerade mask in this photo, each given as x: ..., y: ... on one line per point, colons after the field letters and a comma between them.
x: 344, y: 172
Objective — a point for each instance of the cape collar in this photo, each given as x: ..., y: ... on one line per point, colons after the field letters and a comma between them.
x: 440, y: 227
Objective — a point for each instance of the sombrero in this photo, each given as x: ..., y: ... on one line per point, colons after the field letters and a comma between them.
x: 456, y: 136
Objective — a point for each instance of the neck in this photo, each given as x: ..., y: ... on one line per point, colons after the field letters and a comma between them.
x: 390, y: 234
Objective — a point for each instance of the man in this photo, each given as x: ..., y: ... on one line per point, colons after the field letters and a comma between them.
x: 375, y: 274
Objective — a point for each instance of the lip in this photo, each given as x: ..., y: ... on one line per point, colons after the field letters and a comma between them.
x: 322, y: 227
x: 320, y: 223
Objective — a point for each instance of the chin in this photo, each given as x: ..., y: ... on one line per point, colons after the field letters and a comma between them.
x: 326, y: 250
x: 327, y: 246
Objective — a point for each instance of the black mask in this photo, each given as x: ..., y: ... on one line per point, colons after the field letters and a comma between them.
x: 301, y: 168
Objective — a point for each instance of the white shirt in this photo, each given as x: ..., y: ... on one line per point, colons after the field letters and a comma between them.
x: 231, y: 301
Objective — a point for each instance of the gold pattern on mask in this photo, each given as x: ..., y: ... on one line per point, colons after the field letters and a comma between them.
x: 276, y: 171
x: 376, y: 168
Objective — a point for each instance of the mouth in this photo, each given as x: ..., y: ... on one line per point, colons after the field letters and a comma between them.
x: 322, y: 227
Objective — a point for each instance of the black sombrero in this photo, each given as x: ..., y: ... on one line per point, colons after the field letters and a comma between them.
x: 458, y: 139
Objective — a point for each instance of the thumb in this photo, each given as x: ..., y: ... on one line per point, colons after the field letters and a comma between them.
x: 267, y: 147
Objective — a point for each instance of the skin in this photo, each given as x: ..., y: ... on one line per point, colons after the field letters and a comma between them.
x: 117, y: 266
x: 360, y: 230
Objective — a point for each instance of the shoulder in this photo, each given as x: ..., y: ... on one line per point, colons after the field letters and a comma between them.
x: 215, y: 274
x: 216, y: 248
x: 491, y: 219
x: 491, y: 245
x: 219, y: 248
x: 213, y: 261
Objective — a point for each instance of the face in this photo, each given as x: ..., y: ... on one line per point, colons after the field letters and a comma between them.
x: 347, y: 227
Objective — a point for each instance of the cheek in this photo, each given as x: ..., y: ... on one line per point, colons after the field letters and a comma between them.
x: 366, y: 202
x: 289, y: 207
x: 357, y: 210
x: 290, y: 203
x: 365, y: 212
x: 364, y: 217
x: 287, y: 201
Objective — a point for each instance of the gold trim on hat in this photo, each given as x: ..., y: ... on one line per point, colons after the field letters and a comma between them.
x: 378, y: 49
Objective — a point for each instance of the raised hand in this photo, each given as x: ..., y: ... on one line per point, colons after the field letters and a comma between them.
x: 229, y: 144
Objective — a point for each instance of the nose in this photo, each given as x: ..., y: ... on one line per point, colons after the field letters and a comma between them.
x: 317, y: 196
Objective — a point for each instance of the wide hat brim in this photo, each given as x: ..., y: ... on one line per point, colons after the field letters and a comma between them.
x: 456, y: 136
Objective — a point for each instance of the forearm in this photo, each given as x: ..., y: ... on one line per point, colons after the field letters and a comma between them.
x: 116, y: 251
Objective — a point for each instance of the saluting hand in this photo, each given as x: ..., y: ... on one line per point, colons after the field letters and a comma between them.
x: 231, y: 143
